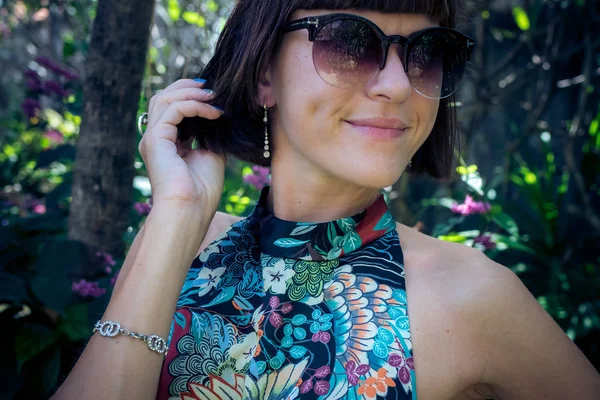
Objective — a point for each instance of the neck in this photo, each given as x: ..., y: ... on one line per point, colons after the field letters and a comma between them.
x: 298, y: 195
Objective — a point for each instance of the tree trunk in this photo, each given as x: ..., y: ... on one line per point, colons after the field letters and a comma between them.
x: 103, y: 171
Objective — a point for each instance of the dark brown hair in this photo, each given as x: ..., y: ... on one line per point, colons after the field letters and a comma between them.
x: 250, y: 41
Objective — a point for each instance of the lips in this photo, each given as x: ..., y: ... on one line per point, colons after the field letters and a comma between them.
x: 379, y: 129
x: 380, y: 122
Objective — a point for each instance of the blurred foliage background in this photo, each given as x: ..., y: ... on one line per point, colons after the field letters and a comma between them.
x: 525, y: 191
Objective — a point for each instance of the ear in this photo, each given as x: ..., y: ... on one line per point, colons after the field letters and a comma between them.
x: 265, y: 88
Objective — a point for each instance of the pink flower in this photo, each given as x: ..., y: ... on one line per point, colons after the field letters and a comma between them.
x: 471, y: 207
x: 39, y: 209
x: 485, y: 241
x: 55, y: 136
x: 107, y: 259
x: 86, y: 288
x: 142, y: 208
x: 260, y: 177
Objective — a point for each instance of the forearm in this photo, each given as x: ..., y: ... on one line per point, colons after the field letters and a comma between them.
x: 144, y: 302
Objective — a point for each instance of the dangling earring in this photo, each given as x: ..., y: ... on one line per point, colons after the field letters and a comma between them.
x: 410, y: 164
x: 266, y: 154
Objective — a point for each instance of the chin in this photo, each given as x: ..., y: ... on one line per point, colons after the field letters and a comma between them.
x: 375, y: 178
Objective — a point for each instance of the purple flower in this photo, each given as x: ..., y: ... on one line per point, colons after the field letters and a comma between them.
x: 485, y: 241
x: 260, y: 177
x: 69, y: 74
x: 471, y: 207
x: 33, y: 85
x: 142, y: 208
x: 106, y: 258
x: 48, y: 63
x: 86, y: 288
x: 56, y: 67
x: 30, y: 107
x: 50, y: 87
x: 31, y: 74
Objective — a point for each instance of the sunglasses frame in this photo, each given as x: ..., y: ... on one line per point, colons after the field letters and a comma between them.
x: 315, y: 24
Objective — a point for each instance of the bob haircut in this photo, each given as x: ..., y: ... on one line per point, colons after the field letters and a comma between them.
x: 250, y: 41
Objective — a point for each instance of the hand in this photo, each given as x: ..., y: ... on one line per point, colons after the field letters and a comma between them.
x: 179, y: 175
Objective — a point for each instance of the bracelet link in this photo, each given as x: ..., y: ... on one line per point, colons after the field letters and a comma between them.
x: 112, y: 329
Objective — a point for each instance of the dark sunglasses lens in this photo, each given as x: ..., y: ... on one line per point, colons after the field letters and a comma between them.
x: 346, y: 53
x: 436, y: 64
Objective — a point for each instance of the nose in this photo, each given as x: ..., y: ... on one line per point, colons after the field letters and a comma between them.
x: 391, y: 82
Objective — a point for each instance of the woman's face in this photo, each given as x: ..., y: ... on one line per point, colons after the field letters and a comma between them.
x: 309, y: 118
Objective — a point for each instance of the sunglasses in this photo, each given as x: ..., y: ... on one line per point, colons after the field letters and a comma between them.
x: 348, y: 50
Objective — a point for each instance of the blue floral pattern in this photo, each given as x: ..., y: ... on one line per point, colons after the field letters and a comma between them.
x: 274, y: 309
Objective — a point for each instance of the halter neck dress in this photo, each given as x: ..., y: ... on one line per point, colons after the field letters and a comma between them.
x: 283, y: 310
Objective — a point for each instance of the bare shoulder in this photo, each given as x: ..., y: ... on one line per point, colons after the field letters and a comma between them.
x: 518, y: 350
x: 221, y: 222
x: 443, y: 282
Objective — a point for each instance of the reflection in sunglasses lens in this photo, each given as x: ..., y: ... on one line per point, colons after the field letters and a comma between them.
x: 436, y: 65
x: 346, y: 53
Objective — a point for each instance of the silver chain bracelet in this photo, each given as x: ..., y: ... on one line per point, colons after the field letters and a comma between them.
x: 112, y: 329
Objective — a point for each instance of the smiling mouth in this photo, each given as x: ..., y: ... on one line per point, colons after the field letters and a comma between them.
x: 377, y: 133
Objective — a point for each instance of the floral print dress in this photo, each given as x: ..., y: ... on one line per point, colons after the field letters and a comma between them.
x: 281, y: 310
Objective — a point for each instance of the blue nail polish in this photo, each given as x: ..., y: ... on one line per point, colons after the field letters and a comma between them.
x: 219, y: 108
x: 200, y: 80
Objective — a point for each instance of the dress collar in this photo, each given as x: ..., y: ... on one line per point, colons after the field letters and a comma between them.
x: 320, y: 241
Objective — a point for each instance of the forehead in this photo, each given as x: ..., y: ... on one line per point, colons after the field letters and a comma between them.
x: 390, y: 23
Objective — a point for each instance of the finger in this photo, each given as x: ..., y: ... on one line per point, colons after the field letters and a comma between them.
x: 162, y: 102
x: 178, y: 84
x: 166, y: 125
x: 182, y: 83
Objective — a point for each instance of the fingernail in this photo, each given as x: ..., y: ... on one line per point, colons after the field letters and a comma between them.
x: 219, y: 108
x: 209, y: 92
x: 200, y: 80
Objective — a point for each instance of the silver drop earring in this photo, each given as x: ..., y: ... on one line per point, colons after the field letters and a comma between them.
x: 267, y: 153
x: 409, y: 163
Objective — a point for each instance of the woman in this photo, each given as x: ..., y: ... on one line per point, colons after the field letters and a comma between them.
x: 318, y: 293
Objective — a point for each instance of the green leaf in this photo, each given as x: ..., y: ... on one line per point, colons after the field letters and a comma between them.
x: 75, y: 324
x: 12, y: 288
x: 512, y: 243
x: 53, y: 291
x: 192, y: 17
x: 507, y: 223
x: 352, y: 241
x: 31, y: 339
x: 453, y: 238
x: 521, y: 18
x: 174, y: 10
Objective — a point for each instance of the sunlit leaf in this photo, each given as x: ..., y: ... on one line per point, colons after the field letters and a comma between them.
x: 174, y: 10
x: 521, y: 18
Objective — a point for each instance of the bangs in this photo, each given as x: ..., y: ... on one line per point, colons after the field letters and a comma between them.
x: 438, y: 10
